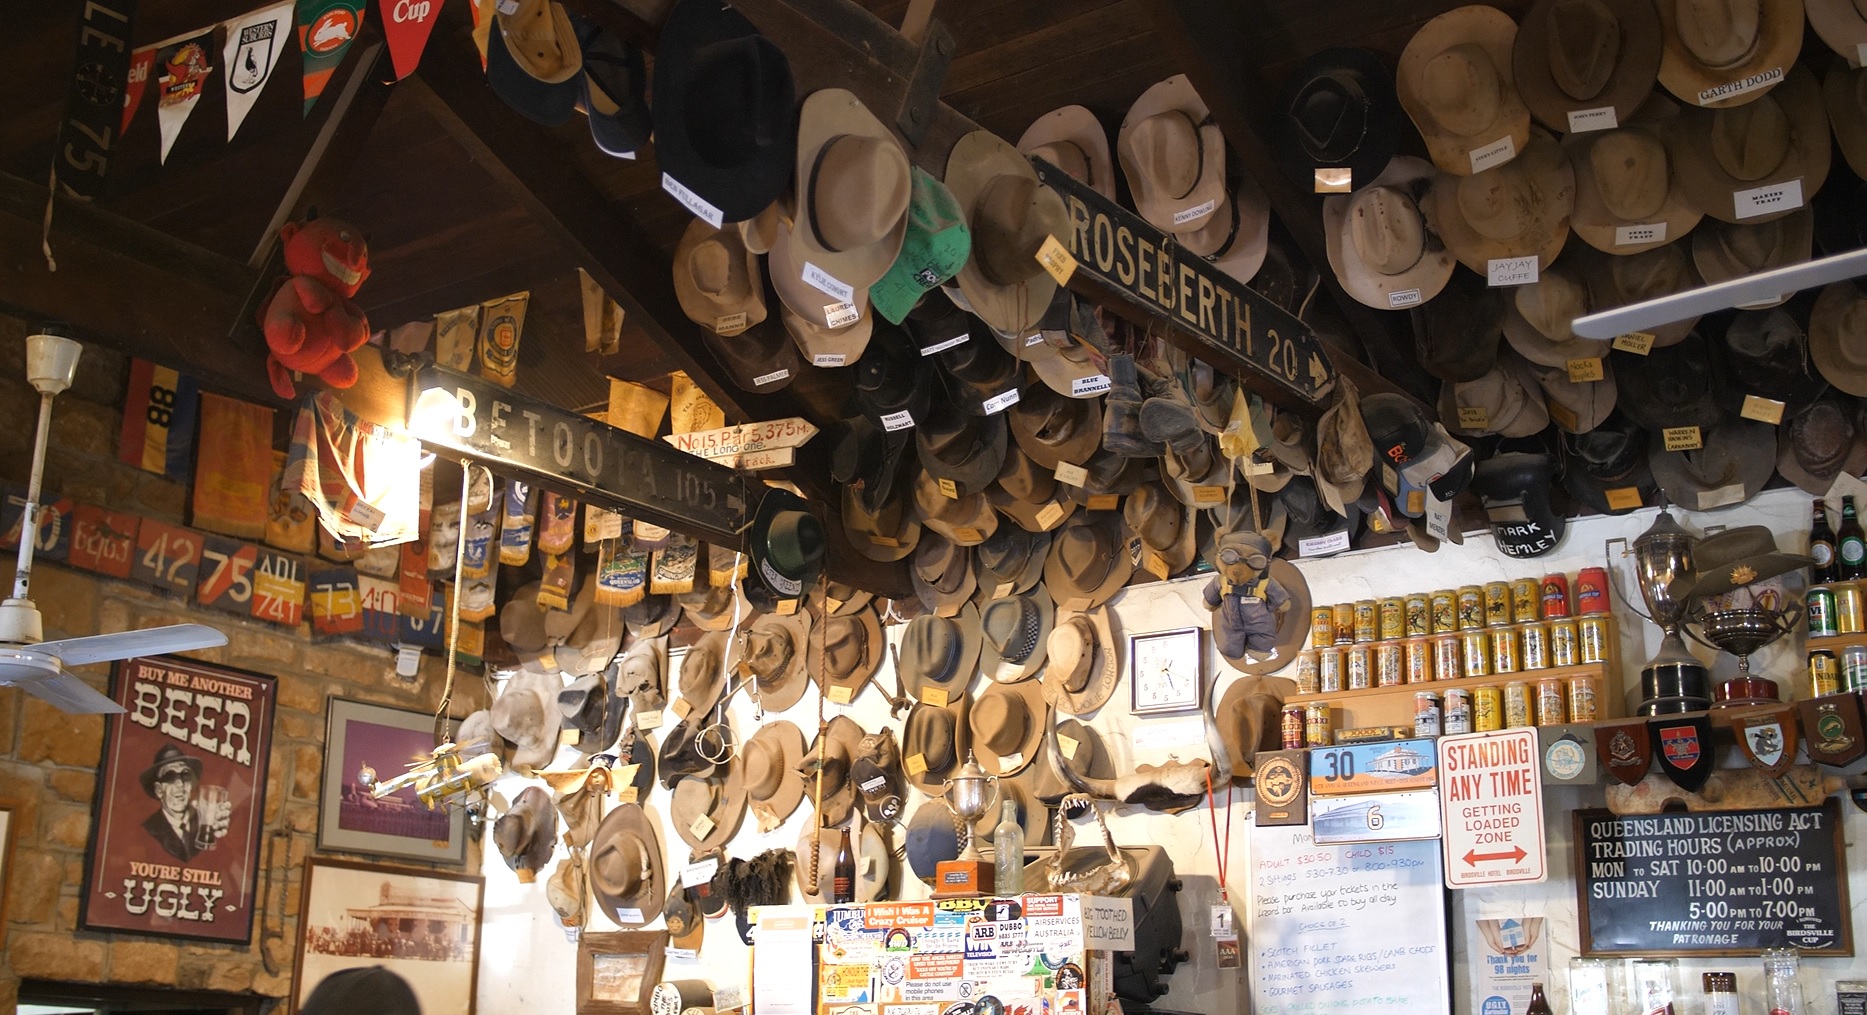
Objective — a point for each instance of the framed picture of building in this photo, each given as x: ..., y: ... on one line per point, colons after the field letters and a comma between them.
x: 616, y: 972
x: 422, y: 924
x: 364, y: 743
x: 181, y: 798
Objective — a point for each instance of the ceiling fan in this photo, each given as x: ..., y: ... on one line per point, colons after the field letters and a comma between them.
x: 27, y: 661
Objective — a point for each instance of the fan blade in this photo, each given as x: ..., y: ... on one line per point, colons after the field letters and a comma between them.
x: 149, y: 641
x: 69, y: 694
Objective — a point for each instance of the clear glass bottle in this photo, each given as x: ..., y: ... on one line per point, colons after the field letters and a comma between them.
x: 1782, y: 984
x: 1008, y: 852
x: 1720, y: 993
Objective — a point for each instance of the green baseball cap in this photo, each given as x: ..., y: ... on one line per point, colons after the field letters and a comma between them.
x: 936, y: 246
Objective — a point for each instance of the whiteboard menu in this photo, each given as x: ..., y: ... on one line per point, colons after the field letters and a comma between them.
x: 1358, y: 927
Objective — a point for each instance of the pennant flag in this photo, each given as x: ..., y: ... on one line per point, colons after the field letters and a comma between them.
x: 182, y: 73
x: 254, y: 44
x: 500, y: 325
x: 482, y: 26
x: 454, y: 334
x: 235, y: 475
x: 140, y: 63
x: 101, y: 77
x: 602, y: 317
x: 406, y: 24
x: 326, y: 28
x: 158, y: 421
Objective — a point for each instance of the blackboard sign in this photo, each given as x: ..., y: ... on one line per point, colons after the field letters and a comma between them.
x: 1713, y: 883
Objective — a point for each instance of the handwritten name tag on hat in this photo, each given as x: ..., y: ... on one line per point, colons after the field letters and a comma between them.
x: 1777, y: 197
x: 692, y: 202
x: 1599, y: 118
x: 1637, y: 342
x: 1763, y: 410
x: 828, y: 284
x: 1623, y: 498
x: 1583, y: 370
x: 1634, y: 235
x: 1683, y: 438
x: 1056, y: 260
x: 1503, y: 271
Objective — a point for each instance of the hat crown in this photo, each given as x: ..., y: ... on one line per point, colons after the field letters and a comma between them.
x: 1014, y: 216
x: 1753, y: 247
x: 1461, y: 88
x: 1068, y: 156
x: 1154, y: 517
x: 711, y: 266
x: 1551, y: 304
x: 769, y: 652
x: 1657, y: 272
x: 1631, y: 172
x: 1331, y: 115
x: 1387, y: 229
x: 1071, y: 650
x: 1023, y: 480
x: 617, y: 868
x: 1718, y: 33
x: 860, y: 188
x: 1822, y: 435
x: 830, y: 755
x: 1722, y: 549
x: 1587, y: 45
x: 1001, y: 721
x: 700, y: 667
x: 1164, y: 150
x: 1497, y: 202
x: 746, y: 74
x: 845, y: 644
x: 1086, y: 554
x: 1750, y: 141
x: 764, y: 767
x: 931, y: 738
x: 1010, y: 627
x: 934, y: 642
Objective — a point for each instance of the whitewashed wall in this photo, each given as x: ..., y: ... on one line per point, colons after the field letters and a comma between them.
x: 528, y: 965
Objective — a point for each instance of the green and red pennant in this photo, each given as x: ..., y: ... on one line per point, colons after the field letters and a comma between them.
x: 326, y: 28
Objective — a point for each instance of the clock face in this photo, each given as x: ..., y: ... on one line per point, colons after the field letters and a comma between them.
x: 94, y: 84
x: 1166, y: 673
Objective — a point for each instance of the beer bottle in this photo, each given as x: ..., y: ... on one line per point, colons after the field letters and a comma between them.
x: 1821, y: 546
x: 1539, y: 1005
x: 843, y: 880
x: 1851, y: 544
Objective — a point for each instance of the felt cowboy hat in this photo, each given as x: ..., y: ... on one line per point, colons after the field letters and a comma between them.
x: 533, y: 60
x: 940, y: 655
x: 1836, y: 325
x: 935, y: 247
x: 527, y: 833
x: 1013, y: 635
x: 942, y: 574
x: 626, y: 879
x: 1576, y: 406
x: 1164, y: 525
x: 1248, y: 716
x: 760, y: 359
x: 1769, y: 349
x: 1513, y: 210
x: 1010, y: 215
x: 1336, y: 111
x: 1292, y: 626
x: 713, y: 607
x: 1842, y: 24
x: 1844, y: 94
x: 876, y: 772
x: 169, y: 758
x: 973, y: 369
x: 848, y: 654
x: 1611, y: 457
x: 1084, y: 661
x: 526, y: 714
x: 1454, y: 80
x: 1504, y: 401
x: 703, y: 672
x: 681, y: 753
x: 1073, y: 140
x: 1381, y: 245
x: 822, y: 337
x: 1031, y: 813
x: 1727, y: 53
x: 1722, y: 251
x: 724, y: 109
x: 717, y: 280
x: 931, y: 840
x: 826, y: 769
x: 1065, y: 358
x: 594, y: 641
x: 844, y: 600
x: 964, y: 521
x: 1088, y: 560
x: 1573, y: 58
x: 1737, y: 459
x: 1650, y: 274
x: 1236, y: 238
x: 887, y: 535
x: 932, y: 744
x: 1173, y: 156
x: 893, y: 378
x: 773, y: 785
x: 1029, y: 496
x: 1456, y: 334
x: 1344, y: 452
x: 706, y: 810
x: 872, y: 856
x: 1820, y: 441
x: 1538, y: 316
x: 1736, y: 557
x: 786, y: 546
x: 1676, y: 385
x: 1007, y: 726
x: 961, y: 447
x: 1053, y: 428
x: 1010, y: 562
x: 653, y: 617
x: 771, y: 650
x: 1083, y: 750
x: 853, y: 190
x: 1776, y: 138
x: 1197, y: 478
x: 1628, y: 195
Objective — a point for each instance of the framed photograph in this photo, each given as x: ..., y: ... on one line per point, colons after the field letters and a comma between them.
x: 1167, y: 670
x: 423, y: 924
x: 7, y: 807
x: 363, y: 743
x: 616, y: 972
x: 181, y: 798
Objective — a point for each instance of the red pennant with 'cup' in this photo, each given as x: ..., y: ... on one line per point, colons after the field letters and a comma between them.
x: 406, y: 24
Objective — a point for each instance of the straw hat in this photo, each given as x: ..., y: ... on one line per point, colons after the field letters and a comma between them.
x: 1723, y: 251
x: 1737, y: 459
x: 939, y: 655
x: 1538, y: 317
x: 1072, y: 139
x: 1381, y: 245
x: 1844, y: 93
x: 772, y: 648
x: 1014, y: 632
x: 853, y: 188
x: 626, y: 878
x: 1725, y: 53
x: 1455, y: 82
x: 942, y: 574
x: 1011, y: 215
x: 527, y: 833
x: 703, y: 672
x: 1842, y: 24
x: 717, y: 280
x: 850, y: 653
x: 1513, y: 210
x: 773, y: 785
x: 1819, y: 442
x: 1088, y: 560
x: 1007, y: 726
x: 1775, y: 138
x: 826, y: 771
x: 1575, y: 56
x: 1650, y: 274
x: 1084, y: 661
x: 1173, y: 156
x: 1835, y: 329
x: 706, y: 810
x: 932, y: 743
x: 1627, y: 192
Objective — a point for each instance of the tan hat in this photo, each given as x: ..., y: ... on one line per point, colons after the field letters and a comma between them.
x: 707, y: 810
x: 1344, y: 451
x: 1515, y: 210
x: 1776, y: 138
x: 1508, y: 396
x: 1173, y: 156
x: 1581, y: 56
x: 832, y: 755
x: 714, y: 607
x: 772, y: 648
x: 1072, y: 139
x: 845, y: 600
x: 1727, y: 52
x: 717, y: 280
x: 1014, y: 633
x: 1053, y: 428
x: 703, y: 672
x: 1836, y: 327
x: 770, y: 759
x: 567, y: 888
x: 939, y: 655
x: 1164, y: 525
x: 1069, y: 366
x: 1737, y: 459
x: 1455, y: 82
x: 1627, y: 192
x: 963, y: 521
x: 1029, y: 496
x: 1382, y: 247
x: 1088, y: 560
x: 1650, y: 274
x: 1844, y: 93
x: 888, y: 536
x: 1538, y: 316
x: 848, y: 653
x: 853, y: 187
x: 822, y: 345
x: 760, y: 232
x: 626, y: 878
x: 1084, y: 661
x: 526, y: 713
x: 1248, y: 717
x: 1237, y: 238
x: 1576, y: 406
x: 527, y: 833
x: 1007, y: 725
x: 933, y: 743
x: 942, y: 574
x: 1723, y: 251
x: 1032, y: 815
x: 1842, y: 24
x: 594, y: 642
x: 1010, y: 215
x: 1822, y: 440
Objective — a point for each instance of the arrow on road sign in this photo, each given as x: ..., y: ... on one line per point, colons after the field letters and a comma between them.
x: 1473, y: 858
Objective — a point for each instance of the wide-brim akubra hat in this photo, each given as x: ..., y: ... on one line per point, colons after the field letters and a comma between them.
x: 844, y: 600
x: 1237, y: 238
x: 724, y: 109
x: 1249, y: 710
x: 1538, y: 316
x: 1069, y: 366
x: 702, y: 678
x: 1014, y: 632
x: 719, y: 798
x: 818, y: 342
x: 1029, y: 496
x: 1836, y: 325
x: 1089, y: 560
x: 940, y: 655
x: 717, y: 280
x: 1723, y: 251
x: 1769, y: 349
x: 1163, y: 524
x: 1381, y: 245
x: 1820, y: 441
x: 966, y: 520
x: 713, y: 607
x: 1628, y: 197
x: 1053, y: 428
x: 853, y: 188
x: 828, y: 771
x: 642, y: 668
x: 1083, y: 749
x: 892, y: 377
x: 1337, y: 110
x: 1084, y: 661
x: 1010, y: 561
x: 1165, y: 135
x: 1576, y: 406
x: 1455, y: 81
x: 1514, y: 210
x: 1580, y: 56
x: 1736, y: 557
x: 1737, y: 459
x: 973, y: 369
x: 886, y: 536
x: 1727, y: 54
x: 526, y: 714
x: 1007, y: 726
x: 1032, y: 814
x: 1456, y: 334
x: 760, y: 359
x: 773, y: 785
x: 626, y: 878
x: 527, y: 833
x: 1612, y: 456
x: 1073, y: 140
x: 942, y: 574
x: 1844, y: 94
x: 870, y: 459
x: 1508, y: 395
x: 1191, y: 477
x: 933, y: 744
x: 593, y: 643
x: 772, y: 650
x: 961, y: 447
x: 1635, y: 278
x: 848, y: 653
x: 679, y: 755
x: 1774, y: 139
x: 1010, y: 214
x: 1672, y: 386
x: 1292, y: 626
x: 1842, y: 24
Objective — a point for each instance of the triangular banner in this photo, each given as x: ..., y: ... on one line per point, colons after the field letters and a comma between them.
x: 326, y: 28
x: 182, y: 73
x: 254, y: 44
x: 406, y: 24
x: 140, y: 63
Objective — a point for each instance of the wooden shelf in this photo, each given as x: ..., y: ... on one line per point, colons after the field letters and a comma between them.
x: 1497, y: 679
x: 1836, y: 642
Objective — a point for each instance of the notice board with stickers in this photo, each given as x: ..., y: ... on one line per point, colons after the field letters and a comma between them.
x: 1326, y: 926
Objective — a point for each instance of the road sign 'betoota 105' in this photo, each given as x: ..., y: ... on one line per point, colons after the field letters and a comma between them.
x: 1491, y: 808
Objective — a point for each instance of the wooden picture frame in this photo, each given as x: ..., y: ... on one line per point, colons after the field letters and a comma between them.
x: 353, y: 914
x: 362, y: 737
x: 1167, y: 671
x: 9, y: 810
x: 618, y: 971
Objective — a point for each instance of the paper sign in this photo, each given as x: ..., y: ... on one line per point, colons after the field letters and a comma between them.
x: 692, y: 202
x: 1482, y: 776
x: 731, y: 324
x: 1056, y: 260
x: 1071, y: 475
x: 916, y: 764
x: 840, y: 315
x: 1103, y: 502
x: 1564, y: 416
x: 786, y: 607
x: 897, y: 420
x: 1847, y: 485
x: 1208, y: 495
x: 1637, y: 342
x: 1683, y: 438
x: 629, y: 916
x: 1599, y: 118
x: 1634, y: 235
x: 1763, y: 410
x: 829, y: 359
x: 828, y: 284
x: 1094, y: 384
x: 947, y: 488
x: 1474, y: 417
x: 771, y: 378
x: 1403, y: 298
x: 1742, y: 86
x: 934, y: 696
x: 1193, y: 214
x: 999, y: 403
x: 1583, y: 370
x: 1322, y: 546
x: 1335, y: 180
x: 959, y: 339
x: 701, y: 826
x: 1008, y: 763
x: 1051, y: 514
x: 1069, y: 746
x: 1494, y: 154
x: 1623, y: 498
x: 966, y: 535
x: 880, y: 540
x: 1154, y: 563
x: 1778, y: 197
x: 681, y: 708
x: 1506, y: 271
x: 1723, y: 496
x: 649, y: 720
x: 841, y: 694
x: 699, y: 873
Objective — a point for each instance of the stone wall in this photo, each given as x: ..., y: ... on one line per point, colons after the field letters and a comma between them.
x: 49, y: 760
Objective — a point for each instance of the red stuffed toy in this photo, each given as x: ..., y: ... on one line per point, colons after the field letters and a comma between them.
x: 310, y: 324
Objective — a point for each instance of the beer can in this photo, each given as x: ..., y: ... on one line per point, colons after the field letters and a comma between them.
x: 1344, y: 623
x: 1458, y: 711
x: 1526, y: 596
x: 1318, y: 724
x: 1591, y: 591
x: 1446, y: 665
x: 1564, y: 647
x: 1419, y: 612
x: 1819, y: 605
x: 1367, y: 621
x: 1393, y: 618
x: 1848, y: 618
x: 1417, y: 660
x: 1504, y: 657
x: 1533, y: 638
x: 1592, y: 637
x: 1584, y: 700
x: 1427, y: 718
x: 1357, y: 667
x: 1854, y: 668
x: 1307, y: 680
x: 1517, y: 712
x: 1824, y: 673
x: 1487, y: 709
x: 1292, y: 722
x: 1497, y: 604
x: 1322, y: 626
x: 1329, y: 670
x: 1471, y: 607
x: 1388, y: 668
x: 1555, y: 596
x: 1552, y: 707
x: 1475, y: 653
x: 1443, y: 610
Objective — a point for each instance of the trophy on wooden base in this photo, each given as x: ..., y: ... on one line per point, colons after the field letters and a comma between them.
x: 965, y: 796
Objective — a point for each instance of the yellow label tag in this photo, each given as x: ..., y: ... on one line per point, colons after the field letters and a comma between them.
x: 935, y: 696
x: 1004, y: 589
x: 841, y: 694
x: 786, y: 607
x: 967, y: 534
x: 831, y: 604
x: 1208, y: 495
x: 916, y: 764
x: 1474, y: 417
x: 1079, y: 603
x: 1637, y: 342
x: 1056, y: 260
x: 626, y: 795
x: 1583, y: 370
x: 1050, y: 514
x: 623, y: 782
x: 681, y: 708
x: 884, y: 540
x: 648, y: 720
x: 1564, y: 416
x: 947, y: 488
x: 1763, y: 410
x: 1682, y: 438
x: 1071, y: 475
x: 1416, y: 502
x: 1104, y: 502
x: 1623, y: 498
x: 1154, y: 563
x: 1068, y: 745
x: 568, y: 737
x: 701, y: 826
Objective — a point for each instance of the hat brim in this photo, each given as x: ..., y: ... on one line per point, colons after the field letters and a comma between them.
x: 1494, y: 32
x: 1067, y: 593
x: 933, y: 783
x: 1779, y: 38
x: 1104, y: 668
x: 1240, y: 231
x: 789, y: 687
x: 1827, y: 341
x: 1078, y: 126
x: 1711, y: 188
x: 1839, y: 88
x: 1292, y: 629
x: 1749, y: 447
x: 1602, y: 229
x: 1037, y: 710
x: 827, y: 114
x: 975, y: 160
x: 1367, y: 284
x: 771, y: 811
x: 979, y: 467
x: 688, y: 803
x: 629, y: 820
x: 1075, y: 449
x: 1541, y: 162
x: 1636, y: 67
x: 1715, y: 266
x: 997, y: 668
x: 945, y: 602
